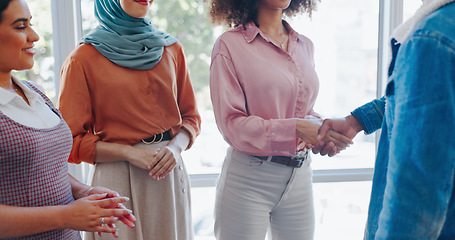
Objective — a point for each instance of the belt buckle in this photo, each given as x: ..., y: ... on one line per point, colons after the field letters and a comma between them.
x: 301, y: 156
x: 154, y: 140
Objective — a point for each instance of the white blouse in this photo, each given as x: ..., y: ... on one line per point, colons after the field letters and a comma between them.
x: 36, y: 115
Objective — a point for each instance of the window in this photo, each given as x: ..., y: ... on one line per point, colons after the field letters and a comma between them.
x: 42, y: 72
x: 346, y: 62
x: 409, y: 7
x: 342, y: 65
x: 351, y: 39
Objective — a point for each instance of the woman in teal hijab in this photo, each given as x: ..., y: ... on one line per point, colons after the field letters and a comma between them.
x: 127, y: 41
x: 128, y: 99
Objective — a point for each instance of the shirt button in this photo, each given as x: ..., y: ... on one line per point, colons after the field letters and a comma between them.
x: 180, y: 167
x: 182, y: 179
x: 184, y: 190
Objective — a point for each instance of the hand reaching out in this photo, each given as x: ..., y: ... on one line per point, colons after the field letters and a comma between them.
x: 308, y: 131
x: 348, y: 126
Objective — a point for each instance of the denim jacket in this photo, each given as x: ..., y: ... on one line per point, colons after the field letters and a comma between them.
x: 413, y: 193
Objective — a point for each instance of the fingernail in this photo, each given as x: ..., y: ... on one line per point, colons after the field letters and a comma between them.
x: 126, y: 198
x: 129, y: 211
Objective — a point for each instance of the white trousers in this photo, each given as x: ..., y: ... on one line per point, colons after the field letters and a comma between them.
x: 253, y: 195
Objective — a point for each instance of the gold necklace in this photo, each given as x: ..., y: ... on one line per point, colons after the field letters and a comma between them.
x: 282, y: 43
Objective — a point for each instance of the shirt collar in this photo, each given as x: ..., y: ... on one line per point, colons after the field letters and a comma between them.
x: 251, y: 31
x: 402, y: 31
x: 6, y: 97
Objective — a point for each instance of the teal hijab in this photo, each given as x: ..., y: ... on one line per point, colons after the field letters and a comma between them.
x: 124, y: 40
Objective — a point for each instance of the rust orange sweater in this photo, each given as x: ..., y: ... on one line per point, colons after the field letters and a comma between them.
x: 102, y: 101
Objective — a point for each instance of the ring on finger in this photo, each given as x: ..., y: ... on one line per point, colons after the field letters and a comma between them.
x: 102, y: 220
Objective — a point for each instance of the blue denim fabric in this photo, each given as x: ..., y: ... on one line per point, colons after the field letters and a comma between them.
x: 413, y: 184
x: 370, y: 115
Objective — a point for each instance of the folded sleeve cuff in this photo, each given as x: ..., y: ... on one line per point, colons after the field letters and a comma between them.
x: 370, y: 115
x: 84, y: 149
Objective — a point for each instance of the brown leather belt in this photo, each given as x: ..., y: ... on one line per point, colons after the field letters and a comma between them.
x: 291, y: 161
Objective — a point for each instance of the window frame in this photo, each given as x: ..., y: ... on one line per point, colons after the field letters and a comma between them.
x: 67, y: 30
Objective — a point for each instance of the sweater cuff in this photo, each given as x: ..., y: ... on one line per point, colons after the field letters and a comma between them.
x: 192, y: 132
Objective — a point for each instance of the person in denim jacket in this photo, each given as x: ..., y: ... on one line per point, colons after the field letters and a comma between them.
x: 413, y: 193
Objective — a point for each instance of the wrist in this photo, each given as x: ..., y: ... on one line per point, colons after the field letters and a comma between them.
x: 88, y: 191
x: 126, y: 152
x: 180, y: 141
x: 79, y: 189
x: 82, y: 192
x: 302, y: 127
x: 354, y: 123
x: 175, y: 147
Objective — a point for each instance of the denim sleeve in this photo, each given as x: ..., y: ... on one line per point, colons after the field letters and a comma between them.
x: 419, y: 196
x: 370, y: 115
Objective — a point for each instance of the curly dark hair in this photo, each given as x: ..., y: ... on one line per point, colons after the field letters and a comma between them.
x: 3, y: 5
x: 236, y: 12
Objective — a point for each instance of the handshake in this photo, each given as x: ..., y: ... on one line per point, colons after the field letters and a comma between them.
x: 329, y: 136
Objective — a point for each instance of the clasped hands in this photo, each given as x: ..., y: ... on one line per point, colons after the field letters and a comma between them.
x: 159, y: 161
x: 329, y: 136
x: 97, y: 210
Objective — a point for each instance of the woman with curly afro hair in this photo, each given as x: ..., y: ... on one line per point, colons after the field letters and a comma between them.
x: 263, y: 87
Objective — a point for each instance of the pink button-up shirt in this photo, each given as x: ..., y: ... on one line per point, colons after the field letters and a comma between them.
x: 258, y: 90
